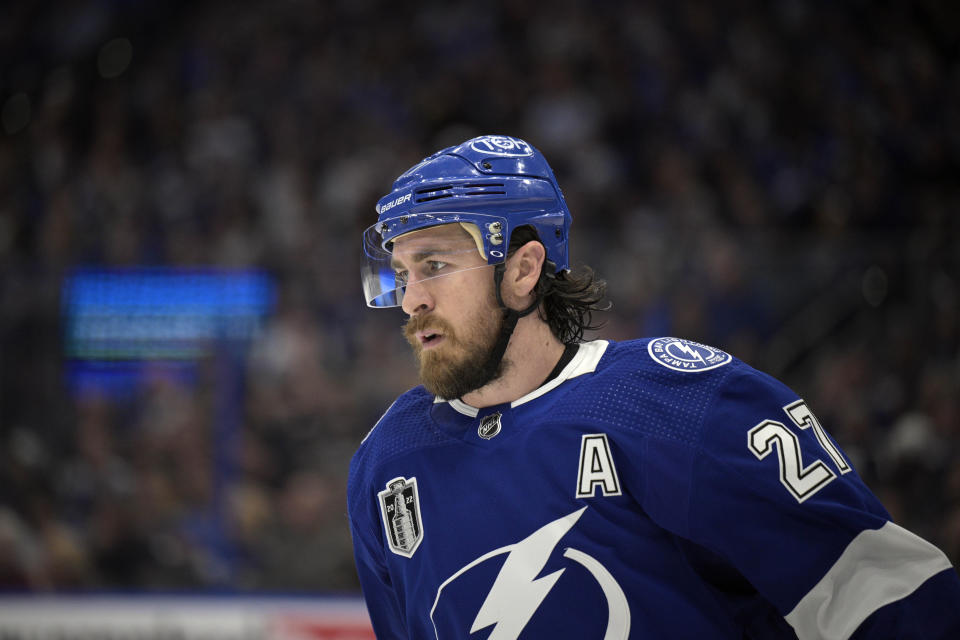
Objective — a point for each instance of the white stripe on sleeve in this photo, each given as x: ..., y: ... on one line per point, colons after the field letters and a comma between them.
x: 878, y: 567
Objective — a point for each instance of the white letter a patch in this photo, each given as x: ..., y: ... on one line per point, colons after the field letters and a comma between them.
x: 596, y: 467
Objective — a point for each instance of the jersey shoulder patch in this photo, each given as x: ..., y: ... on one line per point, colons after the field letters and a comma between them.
x: 686, y: 355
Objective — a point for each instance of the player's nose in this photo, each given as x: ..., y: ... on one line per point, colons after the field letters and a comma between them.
x: 416, y: 298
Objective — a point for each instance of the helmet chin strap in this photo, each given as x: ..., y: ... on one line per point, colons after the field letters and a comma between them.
x: 510, y: 316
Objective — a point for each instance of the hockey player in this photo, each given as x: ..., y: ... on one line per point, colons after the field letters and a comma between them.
x: 538, y: 486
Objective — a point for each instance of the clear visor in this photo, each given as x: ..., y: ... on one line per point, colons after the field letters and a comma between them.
x: 444, y: 244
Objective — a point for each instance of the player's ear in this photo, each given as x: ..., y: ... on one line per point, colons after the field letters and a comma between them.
x: 524, y: 267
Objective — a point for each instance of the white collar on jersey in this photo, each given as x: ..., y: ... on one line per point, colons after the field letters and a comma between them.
x: 585, y: 361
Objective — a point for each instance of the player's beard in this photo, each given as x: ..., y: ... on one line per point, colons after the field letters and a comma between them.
x: 465, y: 361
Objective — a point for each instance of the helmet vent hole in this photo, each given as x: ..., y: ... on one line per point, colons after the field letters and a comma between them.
x: 437, y: 192
x: 439, y: 187
x: 436, y: 197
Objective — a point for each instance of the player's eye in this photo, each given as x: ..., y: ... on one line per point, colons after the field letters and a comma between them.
x: 426, y: 269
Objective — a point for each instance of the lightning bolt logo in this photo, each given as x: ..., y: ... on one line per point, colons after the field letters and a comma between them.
x: 685, y: 355
x: 690, y: 351
x: 517, y: 592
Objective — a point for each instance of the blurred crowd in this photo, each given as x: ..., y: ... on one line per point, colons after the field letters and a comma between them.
x: 779, y: 179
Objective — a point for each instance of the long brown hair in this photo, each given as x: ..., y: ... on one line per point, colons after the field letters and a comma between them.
x: 568, y: 299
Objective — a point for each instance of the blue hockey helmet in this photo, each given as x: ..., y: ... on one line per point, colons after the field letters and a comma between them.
x: 490, y: 185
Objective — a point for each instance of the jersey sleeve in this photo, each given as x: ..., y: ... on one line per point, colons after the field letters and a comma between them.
x: 768, y: 491
x: 378, y: 593
x: 383, y: 605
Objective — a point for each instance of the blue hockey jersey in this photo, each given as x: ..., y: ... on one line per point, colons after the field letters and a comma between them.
x: 654, y: 489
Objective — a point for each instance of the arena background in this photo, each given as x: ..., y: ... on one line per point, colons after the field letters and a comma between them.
x: 186, y: 360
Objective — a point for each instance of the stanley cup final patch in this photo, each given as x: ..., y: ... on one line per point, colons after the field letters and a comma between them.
x: 400, y: 510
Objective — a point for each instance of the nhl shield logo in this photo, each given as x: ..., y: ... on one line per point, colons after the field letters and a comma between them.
x: 489, y: 426
x: 400, y: 509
